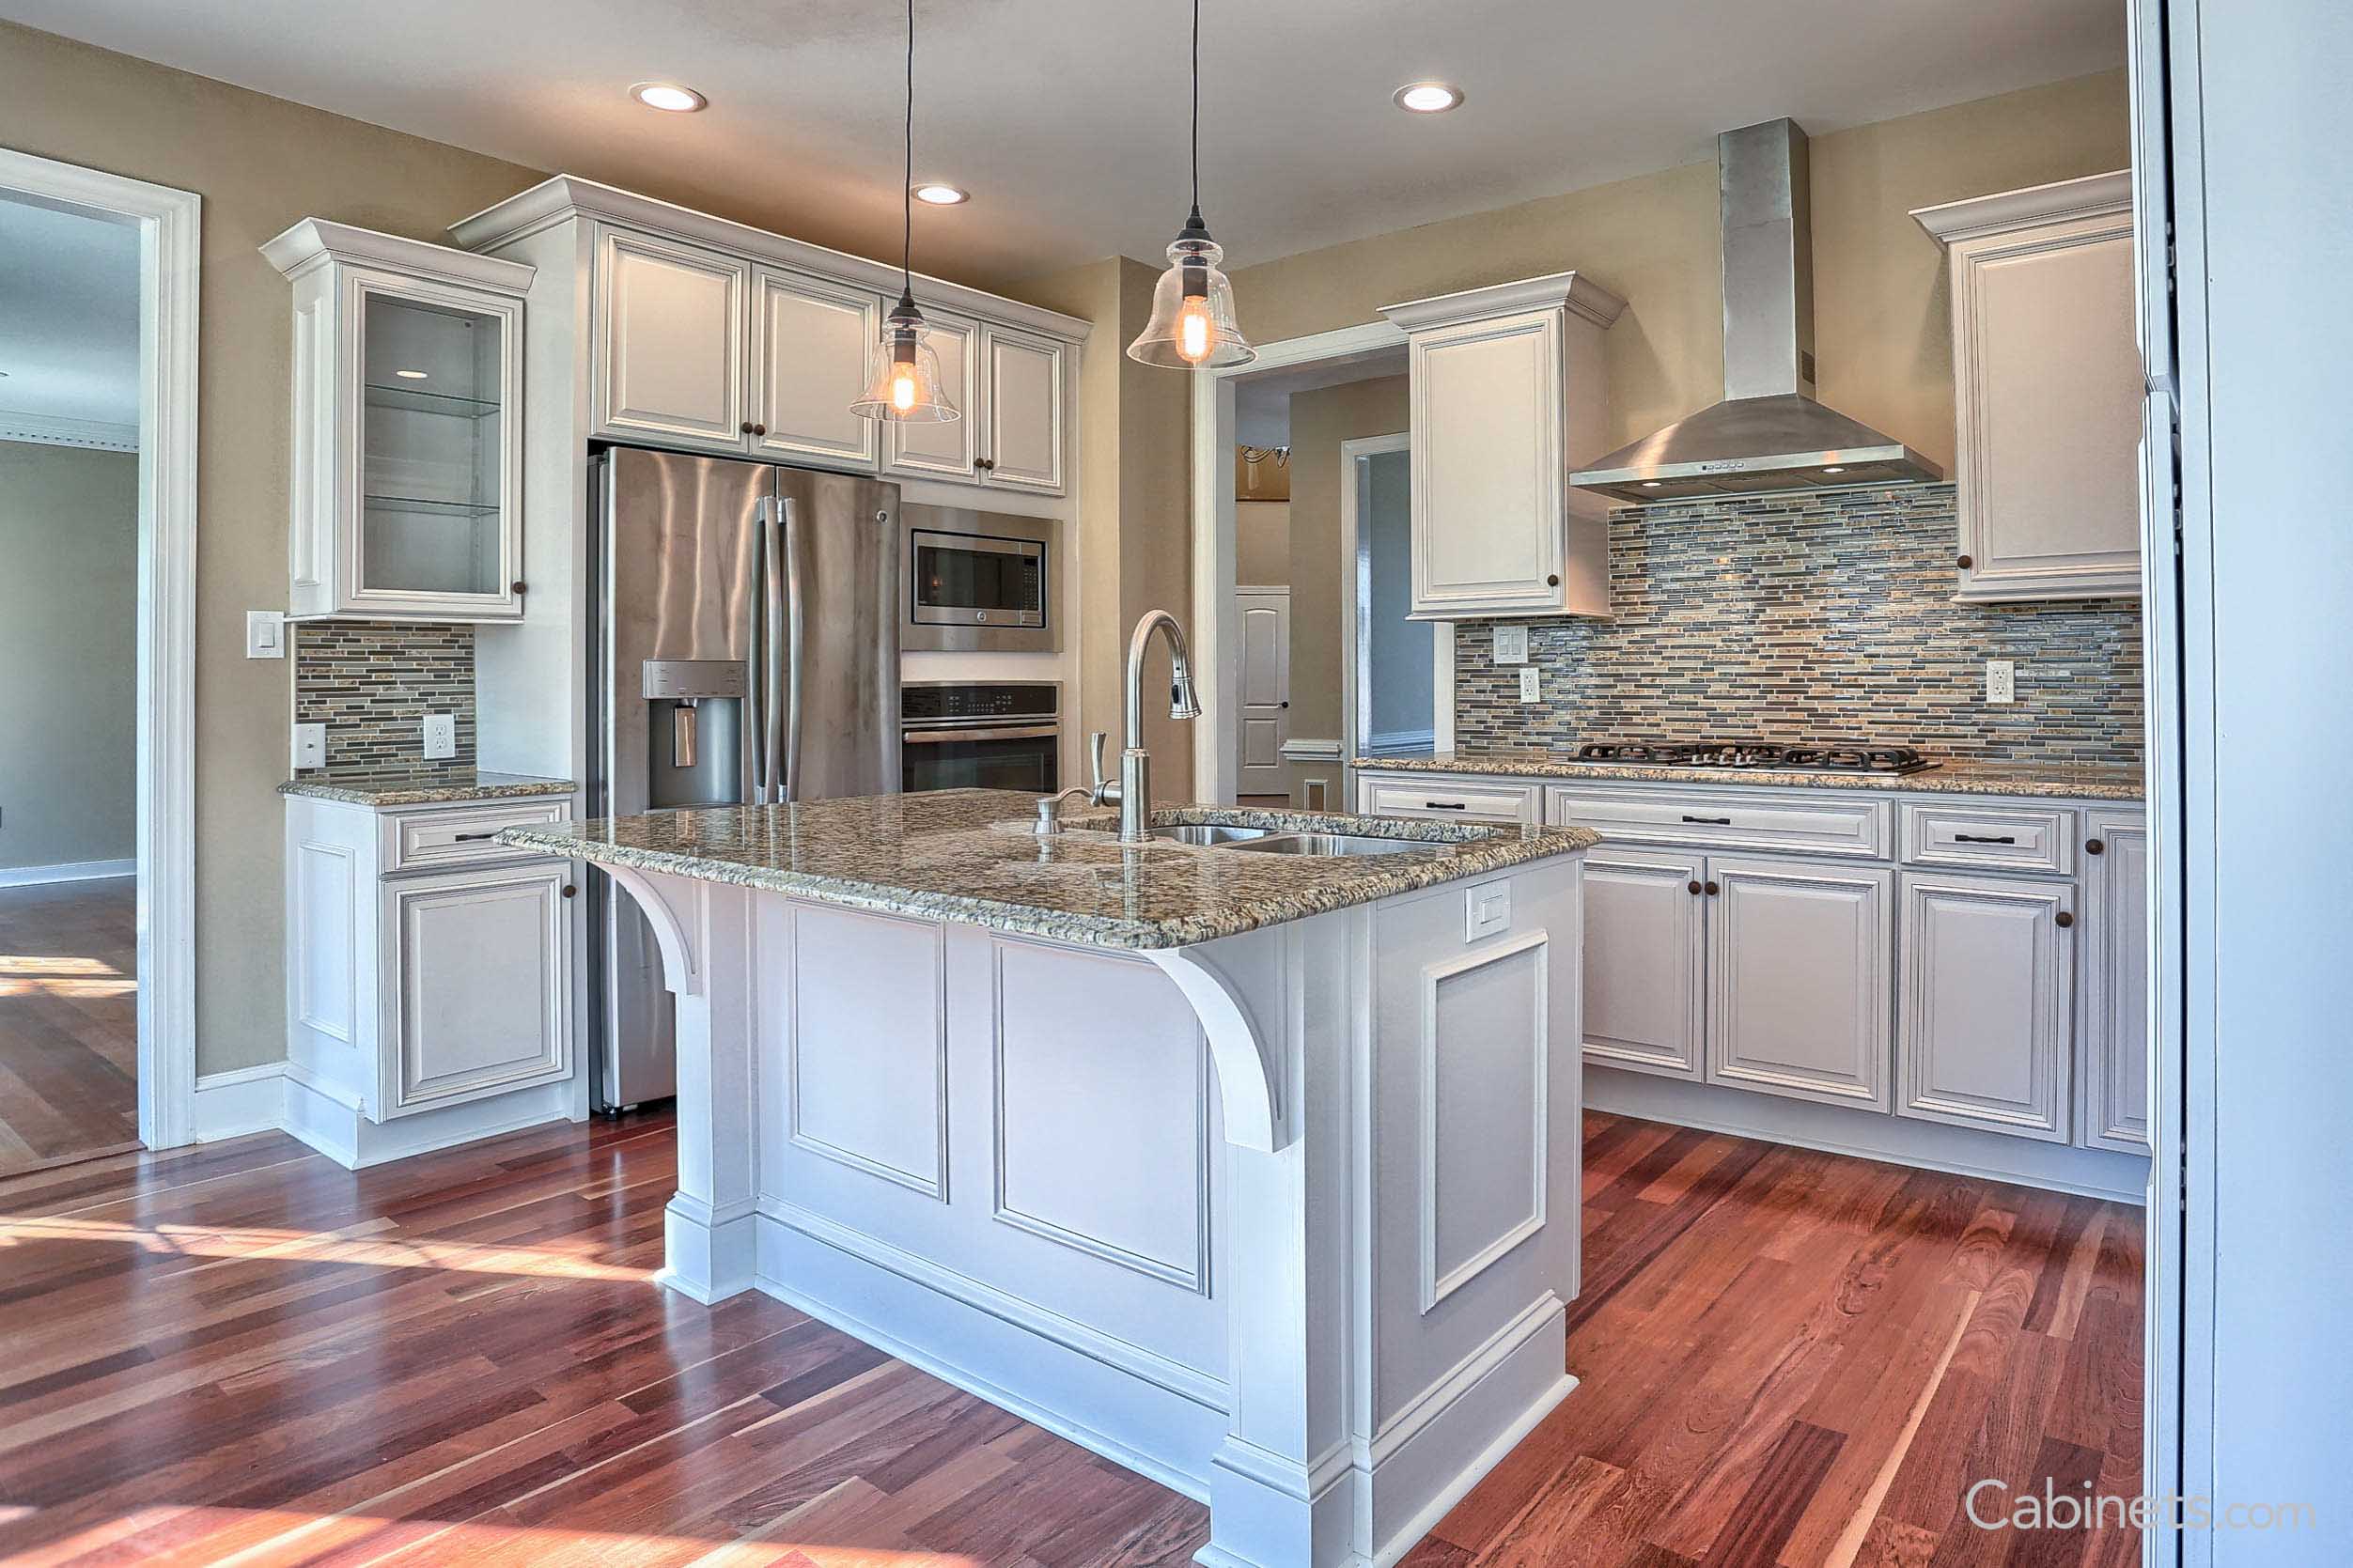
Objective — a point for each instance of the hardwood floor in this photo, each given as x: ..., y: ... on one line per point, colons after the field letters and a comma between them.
x: 69, y: 1021
x: 241, y: 1349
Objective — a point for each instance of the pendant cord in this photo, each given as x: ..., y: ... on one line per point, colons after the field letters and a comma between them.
x: 1196, y: 106
x: 907, y: 187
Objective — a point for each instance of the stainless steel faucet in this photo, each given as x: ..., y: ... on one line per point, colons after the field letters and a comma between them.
x: 1134, y: 789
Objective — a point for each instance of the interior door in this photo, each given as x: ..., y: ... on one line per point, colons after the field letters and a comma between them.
x: 1266, y: 690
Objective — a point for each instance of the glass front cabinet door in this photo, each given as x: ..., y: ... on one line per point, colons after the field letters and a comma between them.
x: 407, y: 471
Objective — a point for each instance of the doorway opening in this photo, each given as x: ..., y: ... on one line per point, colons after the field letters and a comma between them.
x: 98, y: 531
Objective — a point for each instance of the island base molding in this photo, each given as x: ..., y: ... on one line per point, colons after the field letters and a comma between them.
x: 1135, y: 1198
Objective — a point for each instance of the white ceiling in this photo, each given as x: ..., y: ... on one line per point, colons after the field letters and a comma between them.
x: 69, y: 315
x: 1067, y: 117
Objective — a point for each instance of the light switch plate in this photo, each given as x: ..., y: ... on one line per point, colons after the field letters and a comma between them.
x: 1511, y: 644
x: 265, y: 634
x: 441, y: 736
x: 1529, y: 692
x: 1486, y: 911
x: 310, y: 745
x: 2001, y: 680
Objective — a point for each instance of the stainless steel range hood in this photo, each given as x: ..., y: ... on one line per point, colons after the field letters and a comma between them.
x: 1769, y: 433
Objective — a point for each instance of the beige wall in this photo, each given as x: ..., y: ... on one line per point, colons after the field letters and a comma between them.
x: 259, y: 164
x: 1880, y: 314
x: 1320, y: 421
x: 1134, y: 525
x: 1262, y: 543
x: 68, y: 643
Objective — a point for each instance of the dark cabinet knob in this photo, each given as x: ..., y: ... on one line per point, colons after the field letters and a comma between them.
x: 1553, y: 580
x: 1713, y: 888
x: 759, y: 429
x: 569, y: 890
x: 984, y: 463
x: 1965, y: 562
x: 2063, y: 919
x: 516, y: 586
x: 744, y: 428
x: 2095, y: 846
x: 1694, y: 888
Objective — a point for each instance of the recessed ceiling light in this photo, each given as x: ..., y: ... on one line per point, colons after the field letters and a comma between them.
x: 1833, y: 469
x: 940, y: 194
x: 413, y: 375
x: 1652, y: 484
x: 1428, y: 98
x: 668, y: 97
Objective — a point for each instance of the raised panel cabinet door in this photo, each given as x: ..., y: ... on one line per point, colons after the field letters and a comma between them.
x: 669, y: 333
x: 1987, y: 1003
x: 1800, y: 999
x: 811, y: 343
x: 1488, y: 477
x: 478, y: 984
x: 1022, y: 443
x: 944, y: 449
x: 2112, y: 1043
x: 1645, y: 968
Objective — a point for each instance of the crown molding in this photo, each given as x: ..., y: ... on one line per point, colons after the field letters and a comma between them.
x: 565, y: 195
x: 1573, y: 290
x: 40, y: 429
x: 315, y: 241
x: 2095, y: 195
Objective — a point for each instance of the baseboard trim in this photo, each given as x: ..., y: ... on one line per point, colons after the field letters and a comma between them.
x: 322, y: 1119
x: 1833, y: 1129
x: 233, y: 1104
x: 67, y: 871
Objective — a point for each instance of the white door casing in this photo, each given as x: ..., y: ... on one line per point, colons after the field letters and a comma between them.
x: 1265, y: 614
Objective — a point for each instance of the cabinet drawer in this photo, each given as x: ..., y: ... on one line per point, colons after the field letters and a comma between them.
x: 1469, y: 800
x: 462, y: 836
x: 1726, y: 820
x: 1992, y: 838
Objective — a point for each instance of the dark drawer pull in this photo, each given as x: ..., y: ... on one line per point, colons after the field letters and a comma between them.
x: 1711, y: 822
x: 1446, y: 805
x: 1983, y: 838
x: 473, y: 838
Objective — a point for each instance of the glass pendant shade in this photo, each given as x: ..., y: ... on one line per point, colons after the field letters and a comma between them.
x: 904, y: 383
x: 1192, y: 309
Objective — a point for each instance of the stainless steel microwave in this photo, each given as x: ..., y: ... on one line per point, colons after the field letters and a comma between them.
x: 980, y: 581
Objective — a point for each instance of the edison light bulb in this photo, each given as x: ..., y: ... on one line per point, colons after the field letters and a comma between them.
x: 903, y: 390
x: 1193, y: 336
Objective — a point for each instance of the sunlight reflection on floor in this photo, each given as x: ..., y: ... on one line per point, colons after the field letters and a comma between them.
x: 360, y: 1244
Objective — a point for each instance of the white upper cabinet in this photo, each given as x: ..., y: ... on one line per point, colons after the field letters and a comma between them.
x: 1506, y: 400
x: 407, y: 466
x: 811, y: 342
x: 2048, y: 390
x: 1020, y: 433
x: 947, y: 448
x: 669, y: 334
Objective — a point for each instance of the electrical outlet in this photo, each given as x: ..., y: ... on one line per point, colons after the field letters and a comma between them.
x: 310, y: 745
x: 1511, y: 644
x: 441, y: 736
x: 2001, y: 680
x: 1528, y: 690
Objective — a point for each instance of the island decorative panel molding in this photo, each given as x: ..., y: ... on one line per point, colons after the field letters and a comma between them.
x: 373, y: 683
x: 1819, y: 615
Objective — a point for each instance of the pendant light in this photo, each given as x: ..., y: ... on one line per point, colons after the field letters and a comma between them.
x: 1192, y: 304
x: 905, y: 383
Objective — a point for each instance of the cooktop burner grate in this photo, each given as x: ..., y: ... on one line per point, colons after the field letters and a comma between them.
x: 1809, y: 756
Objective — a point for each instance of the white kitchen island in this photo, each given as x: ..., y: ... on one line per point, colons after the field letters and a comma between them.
x: 1256, y: 1173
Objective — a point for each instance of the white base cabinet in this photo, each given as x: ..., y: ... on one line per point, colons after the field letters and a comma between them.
x: 428, y: 967
x: 1976, y: 962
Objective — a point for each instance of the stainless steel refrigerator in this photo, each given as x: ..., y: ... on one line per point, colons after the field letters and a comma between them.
x: 745, y: 650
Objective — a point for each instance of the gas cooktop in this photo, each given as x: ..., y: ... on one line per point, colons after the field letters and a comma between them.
x: 1808, y: 757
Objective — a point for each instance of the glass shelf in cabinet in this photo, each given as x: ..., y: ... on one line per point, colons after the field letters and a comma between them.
x: 410, y: 400
x: 438, y: 508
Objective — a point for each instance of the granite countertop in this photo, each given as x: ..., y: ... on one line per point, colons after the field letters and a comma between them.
x: 419, y: 786
x: 969, y: 855
x: 1954, y: 776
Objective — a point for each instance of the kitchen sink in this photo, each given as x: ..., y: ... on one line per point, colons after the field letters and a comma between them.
x: 1215, y: 833
x: 1330, y: 844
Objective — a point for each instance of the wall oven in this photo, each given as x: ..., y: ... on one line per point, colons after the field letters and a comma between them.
x: 994, y: 734
x: 978, y: 581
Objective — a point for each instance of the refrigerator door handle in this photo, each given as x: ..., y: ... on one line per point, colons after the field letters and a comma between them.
x: 772, y: 610
x: 794, y: 600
